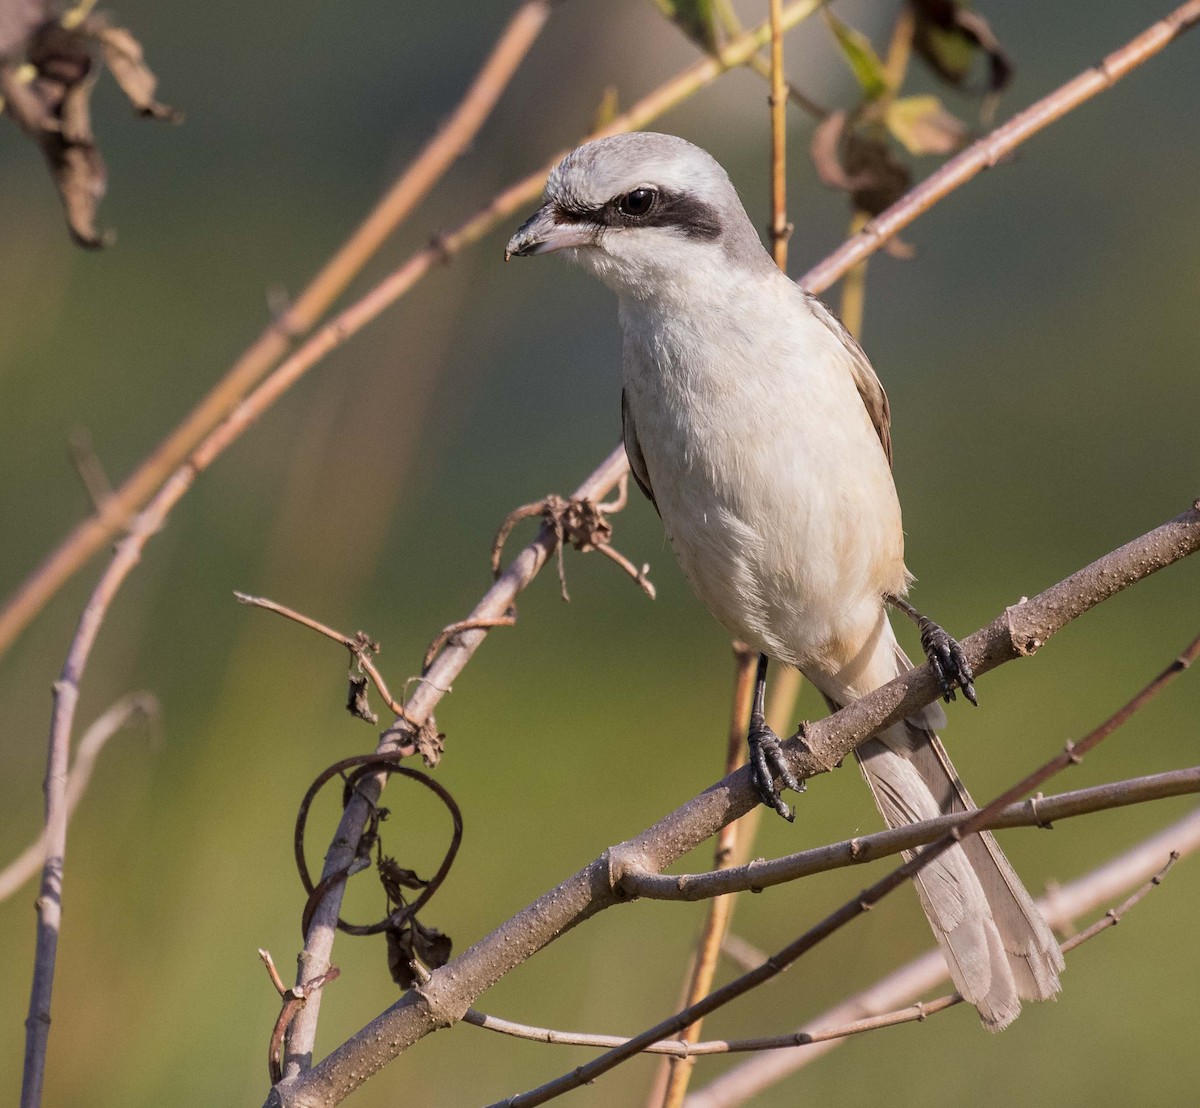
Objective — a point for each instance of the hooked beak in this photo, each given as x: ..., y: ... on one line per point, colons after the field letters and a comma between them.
x: 545, y: 231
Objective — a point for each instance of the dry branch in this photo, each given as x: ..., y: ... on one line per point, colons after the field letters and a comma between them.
x: 1039, y: 811
x: 1061, y: 908
x: 450, y: 991
x: 94, y: 739
x: 684, y: 1050
x: 856, y: 906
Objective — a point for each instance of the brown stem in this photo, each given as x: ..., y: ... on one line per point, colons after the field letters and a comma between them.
x: 852, y: 909
x: 720, y: 909
x: 1038, y: 811
x: 452, y: 989
x: 1060, y: 908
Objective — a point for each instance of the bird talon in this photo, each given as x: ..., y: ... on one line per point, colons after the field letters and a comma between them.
x: 767, y: 763
x: 948, y: 661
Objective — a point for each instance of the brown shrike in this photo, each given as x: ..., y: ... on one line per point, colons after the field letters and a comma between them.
x: 755, y: 424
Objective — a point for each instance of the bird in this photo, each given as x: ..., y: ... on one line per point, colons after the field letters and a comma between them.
x: 758, y: 429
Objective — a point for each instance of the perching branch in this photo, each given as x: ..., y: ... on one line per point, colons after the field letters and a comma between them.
x: 856, y: 906
x: 450, y: 991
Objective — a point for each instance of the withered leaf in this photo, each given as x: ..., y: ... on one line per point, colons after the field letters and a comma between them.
x: 412, y: 941
x: 395, y: 877
x: 46, y: 81
x: 357, y: 702
x: 431, y: 945
x: 858, y: 164
x: 923, y: 126
x: 124, y: 58
x: 947, y: 36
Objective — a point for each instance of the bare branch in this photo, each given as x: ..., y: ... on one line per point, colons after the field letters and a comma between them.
x: 1038, y: 811
x: 1060, y: 908
x: 853, y: 908
x: 451, y: 990
x: 683, y: 1050
x: 142, y: 704
x: 413, y: 185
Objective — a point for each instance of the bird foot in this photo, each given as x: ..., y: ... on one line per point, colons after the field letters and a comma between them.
x: 947, y: 660
x: 767, y: 763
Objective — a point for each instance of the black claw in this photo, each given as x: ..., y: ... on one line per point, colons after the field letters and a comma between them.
x: 948, y: 662
x: 767, y: 763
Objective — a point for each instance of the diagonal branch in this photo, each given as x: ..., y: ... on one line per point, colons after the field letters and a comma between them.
x: 856, y: 906
x: 451, y: 990
x: 410, y: 188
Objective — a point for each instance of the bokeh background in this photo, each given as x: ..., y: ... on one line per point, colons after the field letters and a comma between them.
x: 1040, y: 352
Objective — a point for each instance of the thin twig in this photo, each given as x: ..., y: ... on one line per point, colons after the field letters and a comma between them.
x: 684, y: 1050
x: 1061, y: 909
x: 62, y: 718
x: 853, y: 908
x: 780, y: 229
x: 1037, y: 811
x: 87, y: 752
x: 413, y: 185
x: 361, y: 646
x: 452, y: 989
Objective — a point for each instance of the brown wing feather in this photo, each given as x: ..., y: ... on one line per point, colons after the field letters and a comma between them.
x: 865, y: 381
x: 637, y: 463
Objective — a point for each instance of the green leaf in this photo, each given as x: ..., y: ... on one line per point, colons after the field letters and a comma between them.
x: 860, y: 56
x: 923, y: 126
x: 696, y: 18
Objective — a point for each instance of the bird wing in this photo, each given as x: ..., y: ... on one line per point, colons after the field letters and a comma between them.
x: 637, y: 463
x: 865, y: 381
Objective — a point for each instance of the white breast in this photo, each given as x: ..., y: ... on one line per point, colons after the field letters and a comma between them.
x: 774, y: 490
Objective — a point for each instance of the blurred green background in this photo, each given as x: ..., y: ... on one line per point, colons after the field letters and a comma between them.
x: 1040, y: 354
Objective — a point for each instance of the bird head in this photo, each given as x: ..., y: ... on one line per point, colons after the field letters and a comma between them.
x: 642, y: 211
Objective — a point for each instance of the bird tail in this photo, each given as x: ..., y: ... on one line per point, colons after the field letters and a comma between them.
x: 998, y: 947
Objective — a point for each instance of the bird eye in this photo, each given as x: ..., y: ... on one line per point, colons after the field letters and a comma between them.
x: 637, y: 202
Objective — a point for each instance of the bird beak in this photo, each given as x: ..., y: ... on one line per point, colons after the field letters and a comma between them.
x: 545, y: 231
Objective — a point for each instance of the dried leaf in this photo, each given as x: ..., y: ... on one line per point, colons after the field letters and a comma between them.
x: 430, y: 743
x: 123, y: 56
x: 860, y: 56
x: 49, y: 97
x: 358, y: 703
x: 431, y: 945
x: 395, y: 877
x: 923, y: 126
x: 859, y: 164
x: 411, y: 942
x: 948, y: 35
